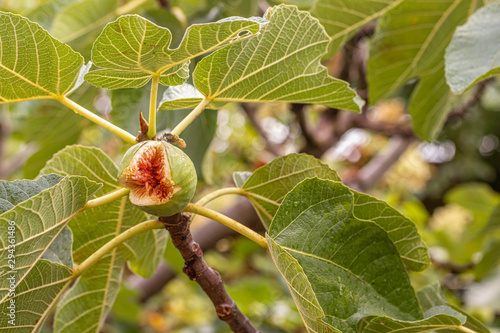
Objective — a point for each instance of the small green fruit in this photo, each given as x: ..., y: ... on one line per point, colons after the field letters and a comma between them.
x: 161, y: 177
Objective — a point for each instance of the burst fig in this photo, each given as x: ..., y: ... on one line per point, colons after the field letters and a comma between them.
x: 161, y: 177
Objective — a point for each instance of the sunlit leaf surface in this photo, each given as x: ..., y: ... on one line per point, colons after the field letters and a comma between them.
x: 33, y: 64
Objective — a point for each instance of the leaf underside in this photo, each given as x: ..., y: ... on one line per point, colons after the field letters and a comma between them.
x: 280, y: 64
x: 89, y: 300
x: 473, y: 53
x: 132, y: 49
x: 38, y: 222
x: 33, y: 64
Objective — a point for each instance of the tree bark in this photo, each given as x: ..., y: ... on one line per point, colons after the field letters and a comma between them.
x: 208, y: 278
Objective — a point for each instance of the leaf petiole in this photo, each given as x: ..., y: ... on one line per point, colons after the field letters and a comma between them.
x: 214, y: 195
x: 126, y: 136
x: 228, y: 222
x: 107, y: 198
x: 152, y: 106
x: 465, y: 329
x: 191, y: 117
x: 106, y: 248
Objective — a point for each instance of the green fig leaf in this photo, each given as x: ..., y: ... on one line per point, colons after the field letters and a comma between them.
x: 43, y: 68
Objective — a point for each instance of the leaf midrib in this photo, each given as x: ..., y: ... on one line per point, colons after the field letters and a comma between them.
x: 243, y: 78
x: 346, y: 270
x: 113, y: 255
x: 52, y: 95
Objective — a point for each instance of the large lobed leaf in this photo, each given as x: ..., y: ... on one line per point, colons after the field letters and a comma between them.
x: 33, y: 64
x: 473, y: 53
x: 342, y: 19
x: 409, y: 43
x: 432, y: 296
x: 17, y: 191
x: 38, y: 220
x: 131, y: 50
x: 41, y: 211
x: 44, y: 13
x: 439, y: 316
x: 400, y: 229
x: 280, y: 64
x: 302, y: 292
x: 268, y: 185
x: 89, y: 300
x: 77, y: 23
x: 36, y: 296
x: 50, y: 127
x: 447, y: 319
x: 351, y: 264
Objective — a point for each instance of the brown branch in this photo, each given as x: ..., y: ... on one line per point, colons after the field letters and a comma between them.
x: 371, y: 173
x: 350, y: 47
x: 311, y: 143
x: 361, y: 121
x: 451, y: 267
x: 165, y: 4
x: 251, y: 110
x: 207, y: 237
x: 460, y: 111
x: 208, y: 278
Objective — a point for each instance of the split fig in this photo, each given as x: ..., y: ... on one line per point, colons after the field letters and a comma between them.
x: 161, y: 177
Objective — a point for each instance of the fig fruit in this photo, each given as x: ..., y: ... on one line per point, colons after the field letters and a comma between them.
x: 161, y: 177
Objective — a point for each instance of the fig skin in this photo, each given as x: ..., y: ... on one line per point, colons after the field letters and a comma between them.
x: 177, y: 179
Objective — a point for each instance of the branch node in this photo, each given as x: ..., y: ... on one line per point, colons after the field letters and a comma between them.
x: 208, y: 278
x: 191, y: 274
x: 224, y: 312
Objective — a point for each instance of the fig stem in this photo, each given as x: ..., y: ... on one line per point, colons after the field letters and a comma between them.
x: 107, y: 198
x: 191, y: 117
x: 152, y: 106
x: 228, y: 222
x: 126, y: 136
x: 465, y: 329
x: 215, y: 194
x: 106, y: 248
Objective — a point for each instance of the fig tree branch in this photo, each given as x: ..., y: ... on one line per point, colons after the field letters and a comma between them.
x: 208, y: 278
x: 228, y: 222
x: 460, y: 111
x: 250, y: 111
x: 207, y: 237
x: 190, y: 117
x: 126, y: 136
x: 371, y: 173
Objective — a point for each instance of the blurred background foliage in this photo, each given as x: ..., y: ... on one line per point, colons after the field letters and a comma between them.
x: 450, y: 187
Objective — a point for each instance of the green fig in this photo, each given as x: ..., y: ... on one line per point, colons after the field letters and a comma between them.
x: 161, y: 177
